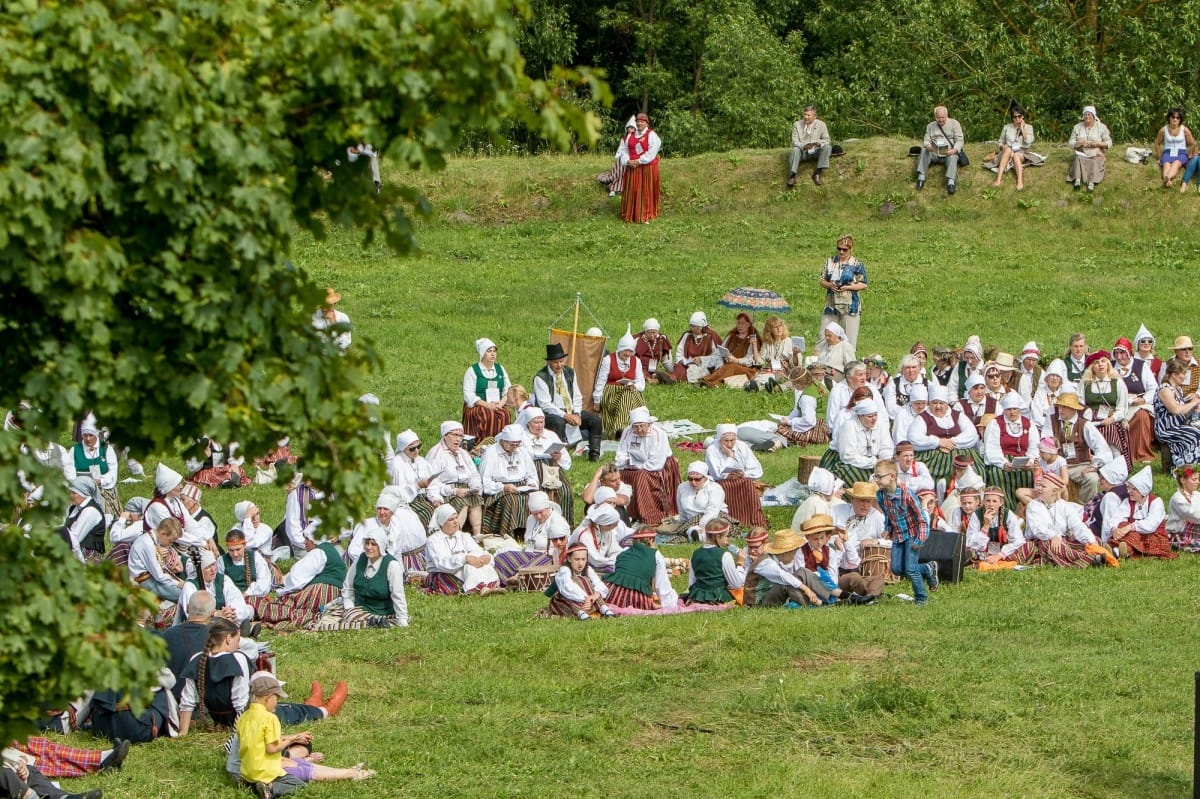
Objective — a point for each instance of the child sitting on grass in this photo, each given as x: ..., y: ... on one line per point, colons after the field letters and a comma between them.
x: 261, y: 745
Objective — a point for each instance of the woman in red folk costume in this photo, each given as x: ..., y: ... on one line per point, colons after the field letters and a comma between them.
x: 641, y: 201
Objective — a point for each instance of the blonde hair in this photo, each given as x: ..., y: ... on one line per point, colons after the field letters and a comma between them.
x: 771, y: 323
x: 846, y: 239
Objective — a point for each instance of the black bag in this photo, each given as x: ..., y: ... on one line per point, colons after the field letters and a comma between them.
x: 962, y: 158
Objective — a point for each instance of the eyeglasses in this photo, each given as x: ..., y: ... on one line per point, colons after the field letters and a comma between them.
x: 992, y: 374
x: 1183, y: 349
x: 696, y: 479
x: 843, y: 249
x: 412, y: 448
x: 1018, y: 116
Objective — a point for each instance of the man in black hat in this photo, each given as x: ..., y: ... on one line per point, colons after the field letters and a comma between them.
x: 557, y: 394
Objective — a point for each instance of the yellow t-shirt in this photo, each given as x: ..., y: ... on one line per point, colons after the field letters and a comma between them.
x: 256, y: 728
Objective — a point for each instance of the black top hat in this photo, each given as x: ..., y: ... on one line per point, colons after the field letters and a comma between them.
x: 554, y: 352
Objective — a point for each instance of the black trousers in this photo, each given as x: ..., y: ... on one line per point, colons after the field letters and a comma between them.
x: 589, y: 424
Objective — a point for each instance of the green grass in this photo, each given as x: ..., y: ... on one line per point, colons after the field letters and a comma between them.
x: 1037, y: 684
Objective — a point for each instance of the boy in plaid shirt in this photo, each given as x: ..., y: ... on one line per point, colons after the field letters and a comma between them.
x: 907, y: 525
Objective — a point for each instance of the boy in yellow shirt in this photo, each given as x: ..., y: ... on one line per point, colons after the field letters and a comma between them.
x: 261, y: 742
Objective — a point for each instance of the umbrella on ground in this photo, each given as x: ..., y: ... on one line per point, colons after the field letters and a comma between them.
x: 746, y: 299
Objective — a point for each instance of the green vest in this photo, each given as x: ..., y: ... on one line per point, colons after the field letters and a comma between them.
x: 238, y: 574
x: 84, y: 464
x: 373, y: 594
x: 634, y: 569
x: 1095, y: 399
x: 709, y: 585
x: 482, y: 383
x: 217, y: 589
x: 334, y: 572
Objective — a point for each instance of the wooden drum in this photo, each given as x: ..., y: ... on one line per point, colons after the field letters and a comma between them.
x: 877, y: 560
x: 805, y: 466
x: 533, y: 578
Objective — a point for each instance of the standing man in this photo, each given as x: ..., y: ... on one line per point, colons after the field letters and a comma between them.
x: 942, y: 143
x: 557, y: 394
x: 810, y: 141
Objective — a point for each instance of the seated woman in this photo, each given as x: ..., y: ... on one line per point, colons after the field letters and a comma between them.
x: 1089, y: 139
x: 412, y: 475
x: 1007, y: 438
x: 457, y: 480
x: 372, y: 594
x: 619, y: 386
x: 1136, y: 528
x: 1174, y: 412
x: 615, y: 177
x: 1140, y: 386
x: 577, y: 590
x: 608, y: 477
x: 800, y: 428
x: 646, y: 463
x: 1172, y: 145
x: 1055, y: 534
x: 508, y: 475
x: 699, y: 501
x: 314, y: 581
x: 1046, y: 395
x: 859, y: 444
x: 600, y: 532
x: 153, y: 562
x: 978, y: 406
x: 230, y: 603
x: 1107, y: 401
x: 839, y: 352
x: 246, y: 567
x: 639, y: 577
x: 822, y: 485
x: 1015, y: 139
x: 218, y: 468
x: 456, y: 563
x: 653, y: 349
x: 997, y: 532
x: 218, y: 679
x: 776, y: 355
x: 714, y: 578
x: 743, y: 343
x: 485, y: 385
x: 843, y: 395
x: 1183, y: 512
x: 900, y: 387
x: 694, y: 352
x: 732, y: 464
x: 551, y: 457
x: 83, y: 526
x: 546, y: 533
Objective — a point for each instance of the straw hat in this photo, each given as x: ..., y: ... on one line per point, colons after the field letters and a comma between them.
x: 1183, y: 343
x: 862, y: 490
x: 1069, y: 400
x: 817, y: 523
x: 786, y: 540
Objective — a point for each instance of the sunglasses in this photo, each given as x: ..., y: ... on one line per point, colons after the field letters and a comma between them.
x: 843, y: 249
x: 412, y: 448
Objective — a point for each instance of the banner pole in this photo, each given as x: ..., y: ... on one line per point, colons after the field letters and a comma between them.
x: 574, y: 330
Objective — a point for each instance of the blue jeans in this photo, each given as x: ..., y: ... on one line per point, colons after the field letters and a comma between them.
x: 904, y: 563
x: 1193, y: 169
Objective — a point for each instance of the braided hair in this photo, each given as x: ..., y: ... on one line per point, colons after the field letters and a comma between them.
x: 218, y: 633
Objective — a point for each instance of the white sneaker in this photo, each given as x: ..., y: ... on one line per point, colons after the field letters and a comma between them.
x: 904, y: 598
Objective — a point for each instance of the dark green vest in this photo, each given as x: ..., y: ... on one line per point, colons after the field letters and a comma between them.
x: 217, y: 589
x: 373, y: 594
x: 634, y: 569
x: 84, y: 464
x: 242, y: 575
x: 334, y: 572
x: 709, y: 585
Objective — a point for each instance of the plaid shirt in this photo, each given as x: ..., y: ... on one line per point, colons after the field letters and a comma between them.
x: 904, y: 517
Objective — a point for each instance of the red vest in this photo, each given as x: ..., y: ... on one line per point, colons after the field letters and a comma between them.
x: 932, y: 428
x: 1014, y: 446
x: 639, y: 145
x: 615, y: 373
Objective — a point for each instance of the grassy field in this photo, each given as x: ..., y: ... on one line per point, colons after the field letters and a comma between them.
x: 1035, y: 684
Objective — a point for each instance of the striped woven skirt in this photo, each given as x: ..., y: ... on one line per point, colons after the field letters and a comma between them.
x: 505, y: 512
x: 615, y: 404
x: 1150, y: 545
x: 469, y: 501
x: 119, y: 554
x: 848, y: 474
x: 641, y: 201
x: 941, y: 464
x: 1010, y: 480
x: 1117, y: 435
x: 653, y: 492
x: 442, y: 584
x: 298, y: 610
x: 1187, y: 539
x: 482, y: 422
x: 817, y: 435
x: 1055, y: 552
x: 414, y: 560
x: 561, y: 606
x: 622, y: 597
x: 509, y: 563
x: 423, y: 508
x: 1141, y: 437
x: 112, y: 503
x: 356, y: 618
x: 743, y: 501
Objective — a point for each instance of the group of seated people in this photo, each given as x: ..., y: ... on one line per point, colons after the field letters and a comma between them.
x: 1176, y: 151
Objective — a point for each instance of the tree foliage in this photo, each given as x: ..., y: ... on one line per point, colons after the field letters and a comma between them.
x: 155, y: 162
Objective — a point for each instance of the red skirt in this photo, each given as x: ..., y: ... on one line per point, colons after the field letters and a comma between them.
x: 443, y: 584
x: 743, y: 501
x: 483, y: 422
x: 623, y: 597
x: 1152, y: 545
x: 641, y: 200
x: 1141, y: 437
x: 653, y: 492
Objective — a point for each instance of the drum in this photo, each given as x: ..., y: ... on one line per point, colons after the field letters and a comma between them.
x: 877, y: 560
x: 533, y: 578
x: 804, y: 468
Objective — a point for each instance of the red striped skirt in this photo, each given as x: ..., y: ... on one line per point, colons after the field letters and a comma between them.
x: 743, y: 501
x: 641, y: 201
x: 1055, y: 552
x: 1117, y: 435
x: 299, y: 610
x: 443, y: 584
x: 623, y: 597
x: 119, y: 554
x: 1150, y: 545
x: 414, y: 561
x: 817, y: 435
x: 509, y: 563
x: 483, y: 422
x: 653, y: 492
x: 58, y: 760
